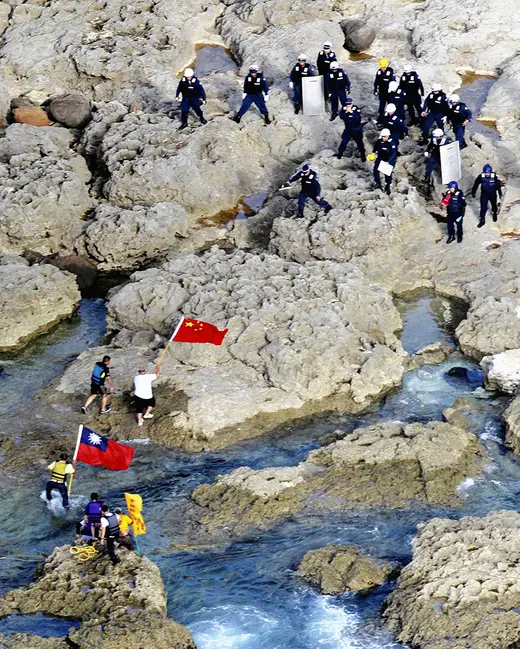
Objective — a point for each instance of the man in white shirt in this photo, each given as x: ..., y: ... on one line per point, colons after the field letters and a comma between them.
x: 144, y: 399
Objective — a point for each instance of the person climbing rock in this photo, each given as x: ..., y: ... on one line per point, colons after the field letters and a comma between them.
x: 338, y: 85
x: 433, y: 153
x: 455, y: 203
x: 93, y: 514
x: 144, y: 399
x: 459, y: 116
x: 100, y: 374
x: 385, y: 150
x: 59, y: 469
x: 310, y: 188
x: 190, y: 92
x: 384, y: 76
x: 109, y: 532
x: 491, y: 187
x: 394, y: 123
x: 435, y: 109
x: 411, y: 83
x: 351, y: 116
x: 256, y: 91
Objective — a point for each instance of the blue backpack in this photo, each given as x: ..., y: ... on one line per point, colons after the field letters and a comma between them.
x: 93, y: 511
x: 98, y: 373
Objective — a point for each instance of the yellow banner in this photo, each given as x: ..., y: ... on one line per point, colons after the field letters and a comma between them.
x: 134, y: 502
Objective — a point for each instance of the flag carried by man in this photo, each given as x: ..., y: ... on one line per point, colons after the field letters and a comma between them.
x: 197, y: 331
x: 96, y: 450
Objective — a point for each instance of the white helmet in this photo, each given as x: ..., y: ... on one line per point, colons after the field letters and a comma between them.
x: 407, y: 67
x: 438, y: 132
x: 385, y: 133
x: 454, y: 98
x: 254, y: 67
x: 392, y: 86
x: 188, y: 72
x: 436, y: 87
x: 390, y: 108
x: 327, y: 45
x: 334, y: 65
x: 302, y: 57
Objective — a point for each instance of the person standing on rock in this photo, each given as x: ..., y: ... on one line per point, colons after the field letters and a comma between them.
x: 193, y: 96
x: 59, y: 469
x: 397, y: 96
x: 385, y: 150
x: 433, y: 153
x: 338, y: 87
x: 310, y: 188
x: 100, y: 374
x: 299, y: 71
x: 93, y: 514
x: 491, y: 186
x: 144, y: 399
x: 459, y: 115
x: 384, y: 76
x: 256, y: 91
x: 351, y: 115
x: 124, y: 529
x: 326, y: 57
x: 394, y: 123
x: 109, y: 532
x: 413, y: 86
x: 455, y: 203
x: 435, y: 109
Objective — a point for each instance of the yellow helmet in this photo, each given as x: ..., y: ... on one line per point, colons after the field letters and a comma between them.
x: 371, y: 157
x: 383, y: 63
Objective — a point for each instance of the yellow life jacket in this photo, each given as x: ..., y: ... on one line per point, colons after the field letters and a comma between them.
x: 59, y: 472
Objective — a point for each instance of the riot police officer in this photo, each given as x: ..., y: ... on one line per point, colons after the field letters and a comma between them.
x: 397, y: 96
x: 413, y: 86
x: 385, y: 149
x: 433, y: 152
x: 193, y: 96
x: 384, y: 76
x: 456, y: 208
x: 459, y: 115
x: 434, y: 110
x: 338, y: 85
x: 299, y: 71
x: 310, y: 188
x: 394, y: 123
x: 326, y: 57
x: 491, y: 186
x: 256, y: 91
x: 351, y: 115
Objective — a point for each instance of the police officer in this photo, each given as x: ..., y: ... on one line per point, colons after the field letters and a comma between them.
x: 397, y: 96
x: 434, y: 110
x: 413, y: 86
x: 59, y: 469
x: 351, y: 115
x: 385, y: 149
x: 325, y: 58
x: 459, y: 115
x: 193, y: 96
x: 310, y: 188
x: 491, y: 185
x: 394, y: 123
x: 256, y: 91
x: 456, y: 208
x: 300, y: 70
x: 433, y: 152
x: 384, y: 76
x: 338, y: 85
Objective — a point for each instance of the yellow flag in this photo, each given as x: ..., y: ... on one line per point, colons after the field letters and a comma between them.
x: 134, y: 502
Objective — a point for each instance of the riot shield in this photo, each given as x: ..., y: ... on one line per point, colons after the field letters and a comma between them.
x: 313, y: 96
x: 450, y: 162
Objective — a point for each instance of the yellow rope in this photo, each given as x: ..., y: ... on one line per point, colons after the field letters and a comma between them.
x: 83, y: 552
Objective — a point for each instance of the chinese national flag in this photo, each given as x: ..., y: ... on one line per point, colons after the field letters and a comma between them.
x: 196, y: 331
x: 97, y: 450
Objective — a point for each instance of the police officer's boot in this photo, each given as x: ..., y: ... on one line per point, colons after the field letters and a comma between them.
x: 267, y: 119
x: 333, y: 116
x: 450, y: 239
x: 459, y: 238
x: 184, y: 124
x: 297, y: 109
x: 482, y: 222
x: 328, y: 209
x: 203, y: 120
x: 300, y: 214
x: 236, y: 119
x: 495, y: 216
x: 388, y: 190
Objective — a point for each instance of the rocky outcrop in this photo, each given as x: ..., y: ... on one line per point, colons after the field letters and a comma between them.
x: 26, y: 641
x: 432, y: 354
x: 502, y: 371
x: 32, y: 300
x: 511, y: 418
x: 388, y: 464
x: 123, y: 605
x: 337, y: 569
x: 461, y: 588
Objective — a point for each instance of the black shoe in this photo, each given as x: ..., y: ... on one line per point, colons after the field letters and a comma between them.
x: 387, y: 190
x: 328, y: 209
x: 333, y: 117
x: 236, y: 119
x: 338, y: 156
x: 459, y: 239
x: 378, y: 186
x: 481, y: 223
x: 363, y: 158
x: 203, y: 120
x: 463, y: 146
x: 495, y: 217
x: 296, y: 110
x: 299, y: 215
x: 183, y: 125
x: 267, y: 119
x: 116, y: 561
x: 83, y: 410
x: 450, y: 239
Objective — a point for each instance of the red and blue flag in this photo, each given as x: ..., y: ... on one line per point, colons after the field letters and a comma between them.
x: 96, y: 450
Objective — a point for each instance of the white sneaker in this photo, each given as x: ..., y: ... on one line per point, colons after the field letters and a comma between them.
x: 150, y: 416
x: 140, y: 422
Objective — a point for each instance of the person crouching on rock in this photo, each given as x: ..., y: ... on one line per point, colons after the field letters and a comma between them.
x: 100, y: 374
x: 93, y: 514
x: 109, y: 532
x: 144, y: 399
x: 310, y: 188
x: 59, y: 472
x: 124, y: 529
x: 455, y: 204
x: 193, y: 96
x: 256, y: 91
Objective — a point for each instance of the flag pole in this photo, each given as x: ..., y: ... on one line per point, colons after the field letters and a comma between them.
x: 171, y: 338
x: 137, y: 546
x: 80, y: 431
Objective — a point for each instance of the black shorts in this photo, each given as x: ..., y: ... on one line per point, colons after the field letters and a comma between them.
x: 141, y: 404
x: 95, y: 388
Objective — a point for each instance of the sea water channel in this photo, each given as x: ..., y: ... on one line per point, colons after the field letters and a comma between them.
x: 246, y: 595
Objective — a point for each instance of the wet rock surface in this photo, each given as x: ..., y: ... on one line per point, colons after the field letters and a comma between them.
x: 118, y: 605
x: 461, y: 588
x: 337, y: 569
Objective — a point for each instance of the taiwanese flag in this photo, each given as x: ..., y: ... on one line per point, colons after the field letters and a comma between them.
x: 196, y: 331
x: 97, y: 450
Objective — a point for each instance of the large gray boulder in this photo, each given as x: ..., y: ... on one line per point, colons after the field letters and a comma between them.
x: 71, y: 110
x: 461, y: 588
x: 359, y: 35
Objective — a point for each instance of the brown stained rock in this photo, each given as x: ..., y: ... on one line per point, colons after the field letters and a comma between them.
x: 32, y: 115
x: 337, y: 569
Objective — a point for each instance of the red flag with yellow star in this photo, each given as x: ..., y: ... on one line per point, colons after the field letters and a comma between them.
x: 197, y: 331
